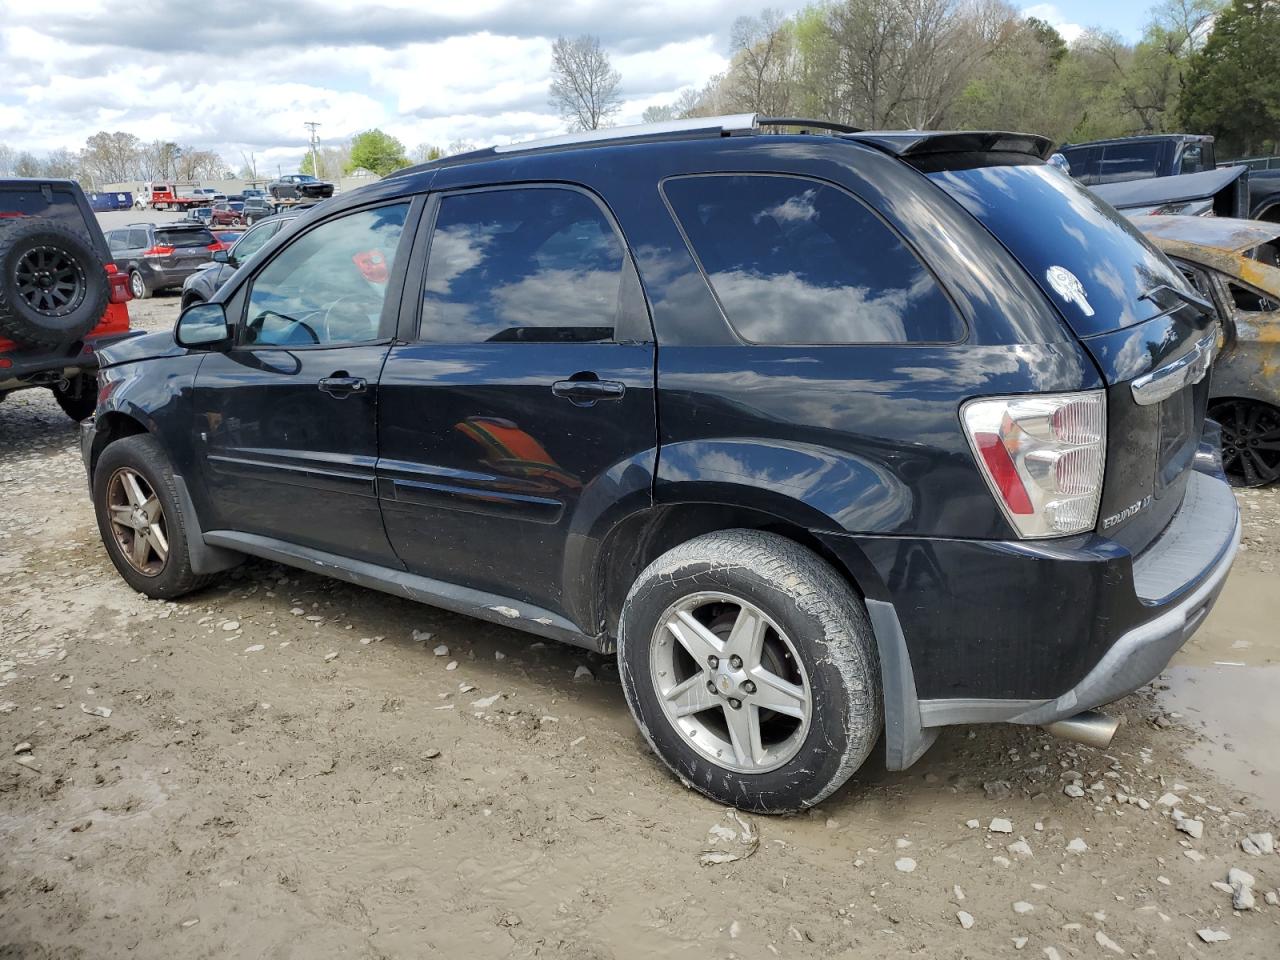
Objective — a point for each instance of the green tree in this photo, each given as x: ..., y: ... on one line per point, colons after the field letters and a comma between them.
x: 1233, y: 89
x: 376, y: 152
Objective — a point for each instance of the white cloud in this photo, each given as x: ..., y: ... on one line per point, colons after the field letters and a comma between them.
x: 245, y: 75
x: 1050, y: 14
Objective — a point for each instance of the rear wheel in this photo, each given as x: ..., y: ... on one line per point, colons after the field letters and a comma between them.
x: 1250, y: 441
x: 141, y: 523
x: 750, y: 667
x: 138, y: 286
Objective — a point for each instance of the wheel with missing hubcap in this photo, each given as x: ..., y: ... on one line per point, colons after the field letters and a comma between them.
x: 750, y: 666
x: 1250, y: 441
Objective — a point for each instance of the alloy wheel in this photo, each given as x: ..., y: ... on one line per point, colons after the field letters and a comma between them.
x: 138, y: 522
x: 1250, y: 441
x: 731, y: 681
x: 136, y: 285
x: 50, y: 280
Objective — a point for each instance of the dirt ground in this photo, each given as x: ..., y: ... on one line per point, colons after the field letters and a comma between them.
x: 284, y: 766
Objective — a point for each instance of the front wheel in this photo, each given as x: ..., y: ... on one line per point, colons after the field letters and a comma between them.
x: 751, y: 668
x: 140, y: 520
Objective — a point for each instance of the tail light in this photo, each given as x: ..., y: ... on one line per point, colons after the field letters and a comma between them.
x: 117, y: 285
x: 1043, y: 458
x: 217, y: 245
x: 158, y: 251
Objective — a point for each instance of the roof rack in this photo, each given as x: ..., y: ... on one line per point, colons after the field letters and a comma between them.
x: 690, y: 128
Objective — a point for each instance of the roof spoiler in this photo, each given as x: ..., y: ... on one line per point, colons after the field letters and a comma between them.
x: 918, y: 143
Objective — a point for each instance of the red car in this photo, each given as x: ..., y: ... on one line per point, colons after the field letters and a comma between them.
x: 228, y: 213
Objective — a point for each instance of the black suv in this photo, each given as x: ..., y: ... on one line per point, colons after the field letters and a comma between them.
x: 60, y: 296
x: 160, y: 256
x: 822, y: 435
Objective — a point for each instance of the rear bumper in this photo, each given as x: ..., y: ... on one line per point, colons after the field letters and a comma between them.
x: 161, y: 278
x: 986, y: 632
x: 37, y: 368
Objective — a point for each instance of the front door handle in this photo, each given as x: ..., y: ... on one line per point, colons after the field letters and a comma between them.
x: 340, y: 385
x: 585, y: 393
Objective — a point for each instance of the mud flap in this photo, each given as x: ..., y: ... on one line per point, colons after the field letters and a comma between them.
x: 204, y: 558
x: 906, y: 738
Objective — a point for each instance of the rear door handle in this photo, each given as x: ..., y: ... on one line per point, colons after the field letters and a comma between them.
x: 340, y: 385
x: 585, y: 393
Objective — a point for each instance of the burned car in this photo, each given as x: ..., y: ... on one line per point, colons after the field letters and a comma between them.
x: 1234, y: 264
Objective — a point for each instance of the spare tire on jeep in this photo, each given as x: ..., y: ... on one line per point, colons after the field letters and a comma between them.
x: 53, y: 288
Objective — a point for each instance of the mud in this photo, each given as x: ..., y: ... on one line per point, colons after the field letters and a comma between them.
x: 251, y: 796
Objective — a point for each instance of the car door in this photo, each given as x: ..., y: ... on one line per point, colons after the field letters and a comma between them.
x: 522, y: 413
x: 285, y: 418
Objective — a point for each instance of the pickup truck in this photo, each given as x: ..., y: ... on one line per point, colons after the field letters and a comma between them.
x: 1170, y: 173
x: 61, y: 296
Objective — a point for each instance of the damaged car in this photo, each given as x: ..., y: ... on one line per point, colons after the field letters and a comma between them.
x: 1234, y: 264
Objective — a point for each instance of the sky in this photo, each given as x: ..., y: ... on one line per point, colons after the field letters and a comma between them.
x: 242, y: 76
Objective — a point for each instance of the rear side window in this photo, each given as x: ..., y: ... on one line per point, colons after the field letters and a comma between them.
x: 794, y: 260
x: 531, y: 264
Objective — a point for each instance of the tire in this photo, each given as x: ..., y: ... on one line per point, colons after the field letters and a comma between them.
x: 53, y: 288
x: 1250, y: 433
x: 138, y: 286
x: 816, y: 635
x: 158, y: 575
x: 79, y: 398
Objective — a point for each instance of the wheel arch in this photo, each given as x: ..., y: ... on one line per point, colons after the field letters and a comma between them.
x: 640, y: 538
x: 112, y: 426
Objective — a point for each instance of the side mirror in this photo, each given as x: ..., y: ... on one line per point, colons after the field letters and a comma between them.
x: 202, y: 325
x: 222, y: 256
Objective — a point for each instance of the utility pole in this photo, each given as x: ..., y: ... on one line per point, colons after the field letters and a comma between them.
x: 315, y: 166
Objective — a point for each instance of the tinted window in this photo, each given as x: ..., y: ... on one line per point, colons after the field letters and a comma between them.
x: 1129, y: 161
x: 798, y: 261
x: 1047, y: 220
x: 328, y: 285
x: 252, y: 241
x: 185, y: 237
x: 535, y: 264
x: 1192, y: 159
x: 138, y: 239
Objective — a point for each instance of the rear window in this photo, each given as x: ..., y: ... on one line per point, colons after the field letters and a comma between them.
x: 171, y: 237
x: 794, y: 260
x: 1130, y: 161
x: 1051, y: 223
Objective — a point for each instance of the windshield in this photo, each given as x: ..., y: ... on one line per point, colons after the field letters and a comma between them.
x: 1061, y: 232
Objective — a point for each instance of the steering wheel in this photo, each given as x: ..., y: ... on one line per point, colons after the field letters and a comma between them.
x: 257, y: 323
x: 356, y: 308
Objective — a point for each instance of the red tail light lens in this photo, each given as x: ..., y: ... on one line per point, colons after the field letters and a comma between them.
x: 158, y: 251
x: 117, y: 286
x: 1043, y: 457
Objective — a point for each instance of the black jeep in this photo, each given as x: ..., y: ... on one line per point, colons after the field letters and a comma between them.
x: 822, y: 435
x: 61, y: 299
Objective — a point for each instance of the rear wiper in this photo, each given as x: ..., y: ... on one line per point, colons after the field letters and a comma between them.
x: 1200, y: 303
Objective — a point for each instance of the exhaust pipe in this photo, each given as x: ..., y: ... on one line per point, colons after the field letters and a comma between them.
x: 1090, y: 728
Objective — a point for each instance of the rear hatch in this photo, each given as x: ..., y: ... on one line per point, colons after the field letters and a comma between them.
x: 183, y: 246
x: 1125, y: 301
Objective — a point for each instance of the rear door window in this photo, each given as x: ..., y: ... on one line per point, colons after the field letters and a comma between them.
x: 794, y: 260
x: 137, y: 239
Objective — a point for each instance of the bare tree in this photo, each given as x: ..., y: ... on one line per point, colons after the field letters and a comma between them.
x: 584, y: 85
x: 112, y: 157
x: 7, y: 157
x: 761, y: 78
